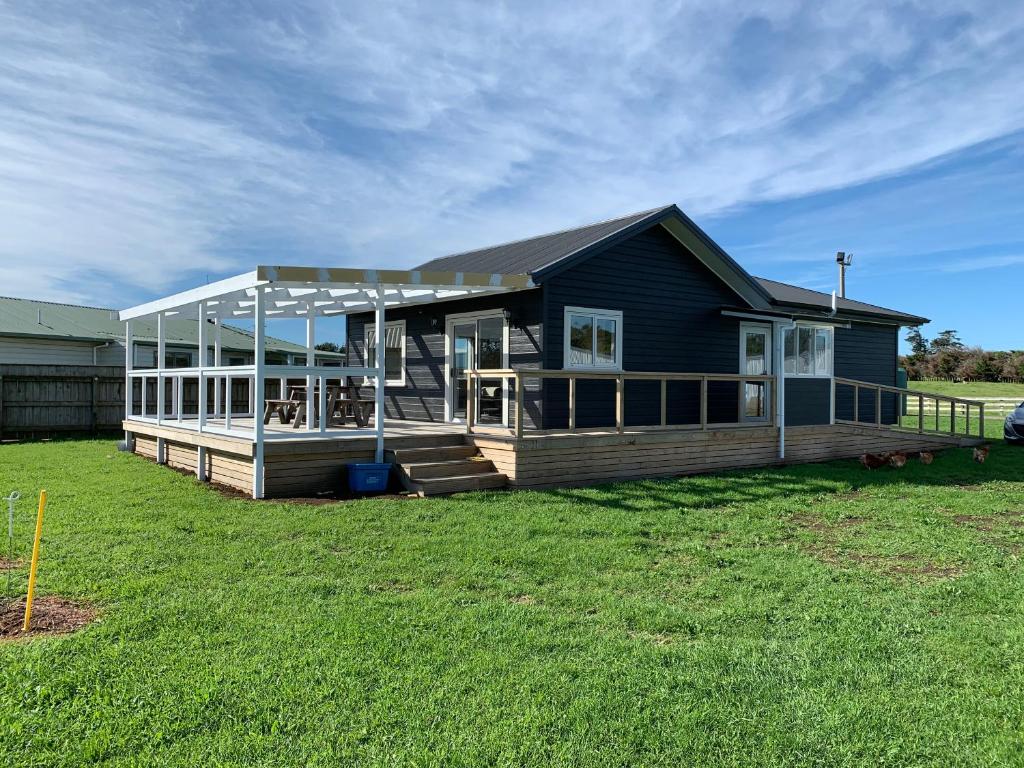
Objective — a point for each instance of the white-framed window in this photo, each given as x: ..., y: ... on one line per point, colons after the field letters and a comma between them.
x: 394, y: 351
x: 593, y: 338
x: 808, y: 350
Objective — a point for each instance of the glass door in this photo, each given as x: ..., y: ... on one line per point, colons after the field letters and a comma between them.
x: 463, y: 346
x: 755, y: 360
x: 477, y: 342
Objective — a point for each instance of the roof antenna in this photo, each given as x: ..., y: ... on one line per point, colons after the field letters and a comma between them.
x: 844, y: 260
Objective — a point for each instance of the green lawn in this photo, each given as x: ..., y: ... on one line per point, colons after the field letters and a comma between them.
x: 816, y: 615
x: 969, y: 389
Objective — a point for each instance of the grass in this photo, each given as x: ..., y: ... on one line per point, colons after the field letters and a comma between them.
x: 969, y: 389
x: 813, y: 615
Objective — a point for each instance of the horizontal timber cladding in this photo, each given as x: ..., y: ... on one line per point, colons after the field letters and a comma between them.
x: 671, y: 314
x: 808, y: 401
x: 422, y: 397
x: 566, y: 460
x: 222, y: 467
x: 867, y: 352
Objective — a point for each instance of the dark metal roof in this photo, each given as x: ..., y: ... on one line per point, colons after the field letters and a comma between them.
x: 538, y: 256
x: 786, y: 295
x: 535, y: 253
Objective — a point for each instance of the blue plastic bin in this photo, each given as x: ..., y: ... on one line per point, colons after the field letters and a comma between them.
x: 368, y: 478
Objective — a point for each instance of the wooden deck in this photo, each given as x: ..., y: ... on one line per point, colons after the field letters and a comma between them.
x: 301, y: 467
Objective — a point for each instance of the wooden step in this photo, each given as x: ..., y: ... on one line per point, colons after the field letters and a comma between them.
x: 422, y: 455
x: 460, y: 483
x: 428, y: 470
x: 409, y: 442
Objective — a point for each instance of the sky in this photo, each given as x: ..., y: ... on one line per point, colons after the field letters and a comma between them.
x: 149, y: 147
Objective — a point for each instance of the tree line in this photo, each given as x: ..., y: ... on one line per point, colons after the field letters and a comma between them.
x: 947, y: 357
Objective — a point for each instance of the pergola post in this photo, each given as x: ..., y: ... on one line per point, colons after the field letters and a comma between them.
x: 129, y: 390
x: 379, y: 391
x: 311, y: 361
x: 779, y: 365
x: 161, y: 355
x: 218, y: 381
x: 203, y: 345
x: 259, y: 336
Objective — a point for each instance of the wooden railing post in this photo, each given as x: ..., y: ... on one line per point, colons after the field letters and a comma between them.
x: 620, y: 403
x: 952, y: 417
x: 470, y: 401
x: 572, y: 403
x: 981, y: 419
x: 920, y: 414
x: 856, y: 403
x: 967, y: 418
x: 704, y: 402
x: 878, y: 409
x: 519, y: 403
x: 664, y: 402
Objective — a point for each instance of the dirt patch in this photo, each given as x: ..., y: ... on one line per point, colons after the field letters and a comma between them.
x: 818, y: 525
x: 889, y: 565
x: 523, y: 600
x: 1012, y: 518
x: 9, y: 565
x: 654, y: 638
x: 51, y: 615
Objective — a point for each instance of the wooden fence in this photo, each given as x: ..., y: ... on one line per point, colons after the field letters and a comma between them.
x: 47, y: 400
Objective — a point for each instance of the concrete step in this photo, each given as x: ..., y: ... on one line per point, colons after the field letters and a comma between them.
x: 475, y: 465
x: 460, y: 483
x: 422, y: 455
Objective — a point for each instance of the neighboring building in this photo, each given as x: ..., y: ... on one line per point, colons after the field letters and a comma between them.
x: 48, y: 333
x: 645, y: 292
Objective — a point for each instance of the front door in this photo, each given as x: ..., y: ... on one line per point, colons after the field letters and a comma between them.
x: 755, y: 360
x: 480, y: 342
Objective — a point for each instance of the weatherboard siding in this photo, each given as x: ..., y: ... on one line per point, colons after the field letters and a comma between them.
x: 671, y: 305
x: 26, y: 351
x: 422, y: 397
x: 867, y: 352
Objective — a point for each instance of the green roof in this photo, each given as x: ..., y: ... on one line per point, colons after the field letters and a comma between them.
x: 44, y: 319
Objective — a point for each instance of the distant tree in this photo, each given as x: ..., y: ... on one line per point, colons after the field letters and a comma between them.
x: 946, y: 340
x: 918, y: 343
x: 329, y: 346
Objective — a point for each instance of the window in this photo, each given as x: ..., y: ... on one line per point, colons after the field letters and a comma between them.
x: 394, y: 351
x: 808, y: 351
x: 593, y: 338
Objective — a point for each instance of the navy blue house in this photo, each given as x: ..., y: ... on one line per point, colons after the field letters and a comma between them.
x: 648, y: 292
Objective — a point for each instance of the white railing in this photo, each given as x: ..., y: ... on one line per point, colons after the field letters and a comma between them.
x: 171, y: 408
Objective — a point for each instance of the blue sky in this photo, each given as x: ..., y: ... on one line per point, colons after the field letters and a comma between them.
x: 147, y: 147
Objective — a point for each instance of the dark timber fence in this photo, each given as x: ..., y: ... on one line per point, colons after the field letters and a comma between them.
x: 50, y: 400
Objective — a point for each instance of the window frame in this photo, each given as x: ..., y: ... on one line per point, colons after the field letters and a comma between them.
x: 367, y: 329
x: 815, y: 374
x: 595, y: 314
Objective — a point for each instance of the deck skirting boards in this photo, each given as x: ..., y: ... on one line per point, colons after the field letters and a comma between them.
x: 304, y: 468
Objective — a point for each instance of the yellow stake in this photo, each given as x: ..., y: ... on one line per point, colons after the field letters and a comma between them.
x: 35, y: 561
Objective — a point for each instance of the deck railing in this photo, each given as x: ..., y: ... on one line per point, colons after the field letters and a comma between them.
x: 957, y: 406
x: 165, y: 403
x: 518, y: 376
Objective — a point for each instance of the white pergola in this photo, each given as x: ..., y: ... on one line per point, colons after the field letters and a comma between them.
x: 269, y: 293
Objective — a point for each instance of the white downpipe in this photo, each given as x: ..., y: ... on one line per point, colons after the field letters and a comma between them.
x: 379, y: 391
x: 780, y: 329
x: 257, y: 398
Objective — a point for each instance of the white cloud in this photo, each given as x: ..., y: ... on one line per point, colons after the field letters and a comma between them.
x: 138, y: 148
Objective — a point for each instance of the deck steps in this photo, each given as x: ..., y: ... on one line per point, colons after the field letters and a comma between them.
x: 443, y: 469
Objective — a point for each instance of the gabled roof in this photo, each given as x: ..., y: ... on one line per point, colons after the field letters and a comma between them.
x: 543, y: 256
x: 786, y: 296
x: 546, y: 255
x: 45, y: 319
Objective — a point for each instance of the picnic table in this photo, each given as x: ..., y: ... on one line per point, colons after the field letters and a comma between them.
x: 342, y: 402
